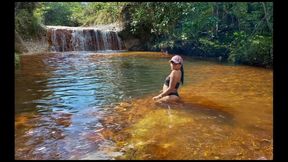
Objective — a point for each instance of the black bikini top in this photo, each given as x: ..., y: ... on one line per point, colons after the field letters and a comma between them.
x: 167, y: 81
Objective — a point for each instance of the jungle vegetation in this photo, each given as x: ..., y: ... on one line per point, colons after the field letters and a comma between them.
x: 237, y: 32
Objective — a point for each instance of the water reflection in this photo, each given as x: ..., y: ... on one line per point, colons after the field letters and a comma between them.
x: 55, y: 86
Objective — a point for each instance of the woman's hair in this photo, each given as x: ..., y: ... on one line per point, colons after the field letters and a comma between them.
x: 182, y: 74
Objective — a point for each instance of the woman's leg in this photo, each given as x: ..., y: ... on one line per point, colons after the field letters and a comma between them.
x: 169, y: 98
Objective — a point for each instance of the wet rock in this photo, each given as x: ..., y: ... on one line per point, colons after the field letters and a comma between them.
x: 265, y: 142
x: 19, y: 44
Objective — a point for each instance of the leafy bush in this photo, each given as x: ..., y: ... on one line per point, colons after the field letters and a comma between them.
x: 213, y: 48
x: 57, y: 14
x: 257, y: 50
x: 241, y: 32
x: 26, y: 23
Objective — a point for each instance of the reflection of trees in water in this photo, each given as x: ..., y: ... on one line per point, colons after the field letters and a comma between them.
x: 30, y: 82
x: 130, y: 77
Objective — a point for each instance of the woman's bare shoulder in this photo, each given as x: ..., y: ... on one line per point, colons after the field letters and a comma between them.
x: 175, y: 72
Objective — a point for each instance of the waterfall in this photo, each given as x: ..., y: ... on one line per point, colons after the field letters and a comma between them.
x: 62, y: 39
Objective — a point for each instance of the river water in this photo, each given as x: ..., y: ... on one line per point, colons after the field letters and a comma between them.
x: 81, y: 105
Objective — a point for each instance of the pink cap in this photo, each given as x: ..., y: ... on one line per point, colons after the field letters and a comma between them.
x: 177, y: 59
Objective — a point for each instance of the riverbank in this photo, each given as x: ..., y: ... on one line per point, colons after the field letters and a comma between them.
x: 32, y: 46
x: 36, y: 45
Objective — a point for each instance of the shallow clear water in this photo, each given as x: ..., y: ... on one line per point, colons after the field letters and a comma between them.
x: 98, y: 106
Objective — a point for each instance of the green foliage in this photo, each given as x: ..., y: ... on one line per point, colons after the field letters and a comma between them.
x: 256, y: 50
x: 26, y: 23
x: 79, y: 13
x: 212, y: 48
x: 60, y: 13
x: 98, y: 13
x: 17, y: 60
x: 238, y: 31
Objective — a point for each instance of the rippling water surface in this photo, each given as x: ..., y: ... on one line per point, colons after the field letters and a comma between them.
x: 98, y: 106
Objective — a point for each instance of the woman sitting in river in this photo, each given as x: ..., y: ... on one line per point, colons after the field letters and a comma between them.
x: 172, y: 82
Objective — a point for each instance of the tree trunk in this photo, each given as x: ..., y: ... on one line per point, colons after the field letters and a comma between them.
x: 266, y: 17
x: 217, y: 15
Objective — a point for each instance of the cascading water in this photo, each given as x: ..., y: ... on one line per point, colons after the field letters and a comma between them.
x: 62, y: 39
